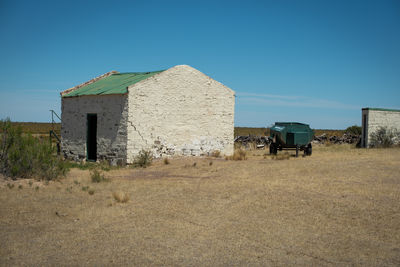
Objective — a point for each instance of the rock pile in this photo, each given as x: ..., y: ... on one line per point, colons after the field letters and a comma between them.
x: 263, y: 141
x: 344, y: 139
x: 246, y: 140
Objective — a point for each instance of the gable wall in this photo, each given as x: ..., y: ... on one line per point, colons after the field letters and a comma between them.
x: 180, y: 111
x: 377, y: 119
x: 111, y: 113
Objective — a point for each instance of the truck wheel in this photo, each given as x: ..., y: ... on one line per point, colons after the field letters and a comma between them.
x: 309, y: 149
x: 272, y: 149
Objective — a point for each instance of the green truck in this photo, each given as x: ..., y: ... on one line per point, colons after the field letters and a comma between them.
x: 291, y: 135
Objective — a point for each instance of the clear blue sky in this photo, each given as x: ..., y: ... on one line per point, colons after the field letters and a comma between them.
x: 317, y: 62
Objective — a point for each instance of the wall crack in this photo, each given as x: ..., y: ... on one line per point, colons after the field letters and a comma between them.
x: 141, y: 136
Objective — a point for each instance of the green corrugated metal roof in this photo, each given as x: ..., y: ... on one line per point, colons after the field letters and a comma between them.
x: 114, y: 84
x: 382, y: 109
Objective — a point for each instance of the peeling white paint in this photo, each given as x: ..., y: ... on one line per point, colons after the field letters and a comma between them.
x: 179, y: 111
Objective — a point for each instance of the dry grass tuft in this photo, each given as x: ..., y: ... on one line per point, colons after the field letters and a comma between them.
x: 239, y: 154
x: 166, y: 161
x: 97, y: 176
x: 281, y: 156
x: 121, y: 197
x: 216, y: 154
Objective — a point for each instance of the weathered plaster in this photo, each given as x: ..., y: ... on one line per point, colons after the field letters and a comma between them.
x: 180, y: 111
x: 111, y: 113
x: 377, y: 119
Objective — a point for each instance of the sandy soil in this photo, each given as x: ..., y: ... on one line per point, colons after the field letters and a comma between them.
x: 341, y: 206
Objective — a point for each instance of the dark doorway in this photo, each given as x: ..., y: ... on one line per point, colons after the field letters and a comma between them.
x: 91, y: 137
x: 364, y: 131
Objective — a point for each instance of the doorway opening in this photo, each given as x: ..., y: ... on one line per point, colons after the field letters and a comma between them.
x: 364, y: 131
x: 91, y: 137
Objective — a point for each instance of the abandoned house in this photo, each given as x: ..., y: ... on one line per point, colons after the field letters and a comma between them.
x: 374, y: 118
x: 178, y: 111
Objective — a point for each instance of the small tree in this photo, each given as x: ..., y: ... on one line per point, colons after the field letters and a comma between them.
x: 143, y: 159
x: 353, y: 130
x: 22, y: 155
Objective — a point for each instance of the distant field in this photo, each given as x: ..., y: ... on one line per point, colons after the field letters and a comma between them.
x: 44, y: 128
x: 37, y: 127
x: 250, y: 131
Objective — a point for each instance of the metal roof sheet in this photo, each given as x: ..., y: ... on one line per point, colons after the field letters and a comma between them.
x: 116, y: 83
x: 382, y: 109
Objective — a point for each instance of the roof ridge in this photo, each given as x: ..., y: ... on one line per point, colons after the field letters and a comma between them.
x: 140, y: 72
x: 89, y: 82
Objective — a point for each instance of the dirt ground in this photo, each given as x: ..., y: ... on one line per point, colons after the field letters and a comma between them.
x: 341, y: 206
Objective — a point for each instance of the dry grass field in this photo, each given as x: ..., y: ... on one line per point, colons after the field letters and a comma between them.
x: 341, y: 206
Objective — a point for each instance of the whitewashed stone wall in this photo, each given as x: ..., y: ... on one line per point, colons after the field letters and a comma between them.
x: 180, y: 111
x: 376, y: 118
x: 112, y: 114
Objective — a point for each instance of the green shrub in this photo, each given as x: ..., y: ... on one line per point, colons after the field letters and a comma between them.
x: 143, y: 160
x: 384, y: 137
x: 97, y: 176
x: 82, y: 165
x: 105, y: 165
x: 353, y: 130
x: 22, y: 155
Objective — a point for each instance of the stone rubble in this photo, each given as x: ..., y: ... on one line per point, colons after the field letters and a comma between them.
x: 262, y: 141
x: 344, y: 139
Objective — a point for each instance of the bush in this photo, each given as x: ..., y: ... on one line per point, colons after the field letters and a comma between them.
x: 22, y: 155
x: 384, y: 137
x: 143, y: 160
x: 353, y: 130
x: 97, y: 176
